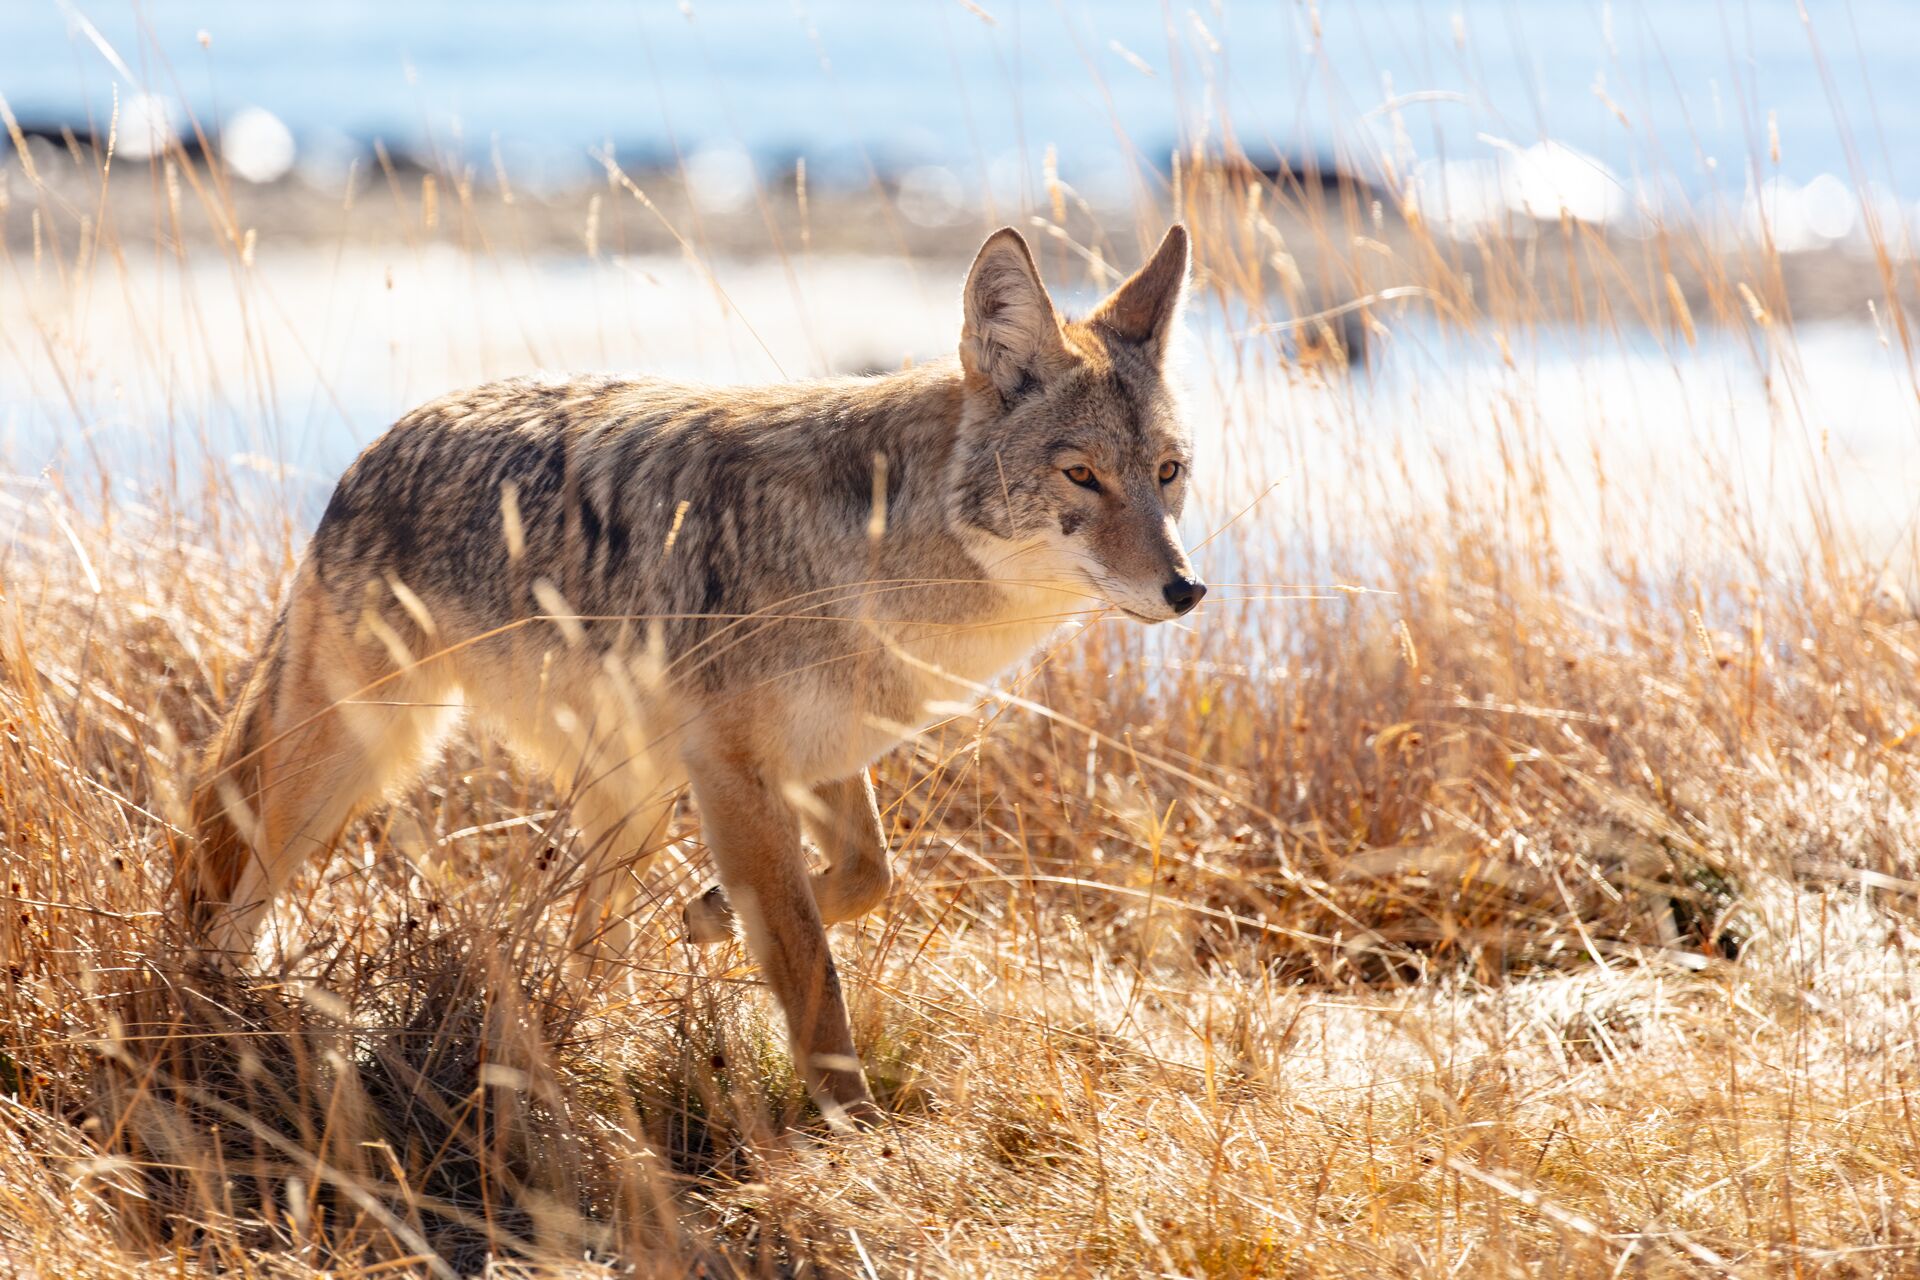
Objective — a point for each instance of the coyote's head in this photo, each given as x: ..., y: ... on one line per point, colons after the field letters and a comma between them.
x: 1072, y: 462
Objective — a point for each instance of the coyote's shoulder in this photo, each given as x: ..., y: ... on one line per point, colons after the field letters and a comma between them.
x: 644, y: 585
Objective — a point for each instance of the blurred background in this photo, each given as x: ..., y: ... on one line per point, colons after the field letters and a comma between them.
x: 953, y: 104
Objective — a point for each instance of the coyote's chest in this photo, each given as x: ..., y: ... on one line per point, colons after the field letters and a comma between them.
x: 915, y: 674
x: 960, y: 661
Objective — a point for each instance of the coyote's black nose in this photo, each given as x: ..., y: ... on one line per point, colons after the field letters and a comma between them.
x: 1184, y: 593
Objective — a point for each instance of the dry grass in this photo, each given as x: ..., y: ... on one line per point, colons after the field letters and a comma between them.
x: 1483, y: 908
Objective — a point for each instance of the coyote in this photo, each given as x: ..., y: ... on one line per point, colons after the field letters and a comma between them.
x: 645, y: 586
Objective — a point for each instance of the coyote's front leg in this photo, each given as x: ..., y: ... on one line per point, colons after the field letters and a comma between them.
x: 754, y: 837
x: 845, y: 823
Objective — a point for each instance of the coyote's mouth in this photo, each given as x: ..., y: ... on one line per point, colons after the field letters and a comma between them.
x: 1105, y: 596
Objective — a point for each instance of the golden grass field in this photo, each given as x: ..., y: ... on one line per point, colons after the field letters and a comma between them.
x: 1481, y: 884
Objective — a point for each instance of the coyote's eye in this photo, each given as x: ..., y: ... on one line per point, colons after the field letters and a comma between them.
x: 1169, y: 472
x: 1083, y: 476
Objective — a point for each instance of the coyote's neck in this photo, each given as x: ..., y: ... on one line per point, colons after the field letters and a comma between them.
x: 974, y: 612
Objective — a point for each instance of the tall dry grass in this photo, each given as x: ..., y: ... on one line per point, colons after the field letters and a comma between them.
x: 1446, y: 900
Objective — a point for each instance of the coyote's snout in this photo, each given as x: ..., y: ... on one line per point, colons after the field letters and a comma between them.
x: 751, y: 592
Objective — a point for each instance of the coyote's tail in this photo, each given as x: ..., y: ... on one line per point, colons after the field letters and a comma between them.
x: 228, y: 784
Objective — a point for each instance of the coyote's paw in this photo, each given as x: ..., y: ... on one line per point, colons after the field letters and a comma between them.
x: 709, y: 918
x: 856, y: 1115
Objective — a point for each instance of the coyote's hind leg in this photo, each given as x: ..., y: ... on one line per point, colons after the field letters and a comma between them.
x: 329, y: 746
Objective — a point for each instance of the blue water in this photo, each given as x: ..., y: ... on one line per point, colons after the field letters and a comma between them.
x: 1112, y: 86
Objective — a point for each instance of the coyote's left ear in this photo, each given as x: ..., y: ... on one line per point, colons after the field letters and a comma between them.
x: 1144, y: 308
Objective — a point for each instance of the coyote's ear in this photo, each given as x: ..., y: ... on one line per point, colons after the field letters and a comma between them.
x: 1143, y: 309
x: 1012, y: 336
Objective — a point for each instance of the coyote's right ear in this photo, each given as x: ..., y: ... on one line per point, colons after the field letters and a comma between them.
x: 1145, y: 308
x: 1012, y: 336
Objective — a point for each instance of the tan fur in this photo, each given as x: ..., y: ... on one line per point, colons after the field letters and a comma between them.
x: 751, y: 592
